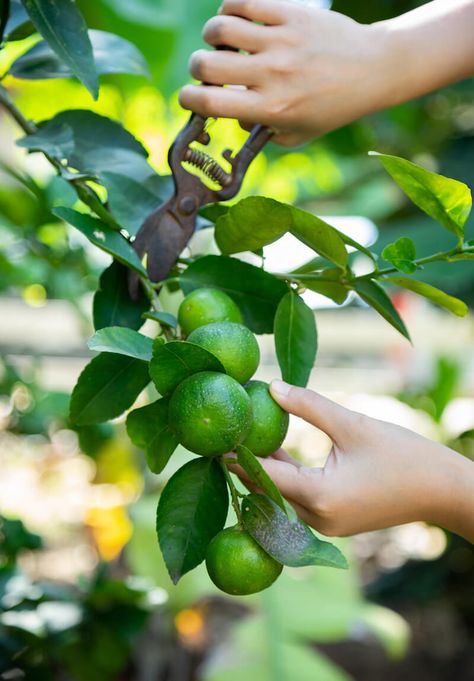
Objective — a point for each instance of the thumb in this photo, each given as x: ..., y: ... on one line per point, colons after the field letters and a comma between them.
x: 325, y: 414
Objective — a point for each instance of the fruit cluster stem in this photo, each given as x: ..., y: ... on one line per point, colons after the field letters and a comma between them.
x: 234, y: 495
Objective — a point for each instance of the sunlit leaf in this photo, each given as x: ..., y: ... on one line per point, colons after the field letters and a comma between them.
x: 401, y: 254
x: 454, y: 305
x: 446, y: 200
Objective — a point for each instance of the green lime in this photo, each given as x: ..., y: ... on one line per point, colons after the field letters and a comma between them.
x: 205, y: 306
x: 233, y: 344
x: 238, y: 565
x: 270, y: 421
x: 210, y: 413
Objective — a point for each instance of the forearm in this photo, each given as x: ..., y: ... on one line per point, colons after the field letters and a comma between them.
x: 428, y: 48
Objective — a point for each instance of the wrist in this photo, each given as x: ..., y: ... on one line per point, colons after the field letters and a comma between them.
x: 452, y: 494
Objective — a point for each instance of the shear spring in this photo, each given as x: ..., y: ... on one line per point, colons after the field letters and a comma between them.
x: 209, y: 166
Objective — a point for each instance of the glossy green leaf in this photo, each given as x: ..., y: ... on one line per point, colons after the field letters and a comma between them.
x: 131, y: 202
x: 256, y: 292
x: 147, y: 427
x: 446, y: 200
x: 258, y: 475
x: 112, y: 304
x: 112, y: 54
x: 257, y: 221
x: 401, y: 254
x: 176, y: 360
x: 319, y: 236
x: 100, y: 145
x: 163, y: 318
x: 288, y: 540
x: 122, y: 341
x: 374, y: 295
x: 107, y: 386
x: 454, y: 305
x: 64, y: 29
x: 296, y: 339
x: 192, y: 510
x: 103, y: 237
x: 250, y: 224
x: 349, y: 241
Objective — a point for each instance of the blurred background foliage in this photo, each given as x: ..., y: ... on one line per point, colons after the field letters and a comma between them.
x: 90, y: 599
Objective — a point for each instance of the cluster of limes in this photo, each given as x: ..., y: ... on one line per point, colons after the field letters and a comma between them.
x: 211, y: 413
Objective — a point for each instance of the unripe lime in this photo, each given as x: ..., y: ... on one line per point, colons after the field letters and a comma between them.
x: 205, y: 306
x: 233, y: 344
x: 238, y: 565
x: 269, y: 423
x: 210, y: 413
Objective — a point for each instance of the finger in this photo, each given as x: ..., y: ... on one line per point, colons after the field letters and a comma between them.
x: 264, y: 11
x: 282, y: 455
x: 313, y: 408
x: 298, y: 484
x: 219, y: 102
x: 307, y: 516
x: 222, y: 68
x: 235, y: 32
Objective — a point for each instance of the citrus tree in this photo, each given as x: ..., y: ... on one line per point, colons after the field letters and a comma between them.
x: 200, y: 362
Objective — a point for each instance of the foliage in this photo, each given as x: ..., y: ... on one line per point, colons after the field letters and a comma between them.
x: 96, y: 156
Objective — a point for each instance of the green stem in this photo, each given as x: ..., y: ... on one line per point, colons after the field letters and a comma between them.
x: 436, y: 257
x: 234, y: 494
x: 155, y: 303
x: 6, y: 101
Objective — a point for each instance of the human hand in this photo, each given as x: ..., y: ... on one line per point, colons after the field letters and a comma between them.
x: 377, y: 474
x: 306, y: 70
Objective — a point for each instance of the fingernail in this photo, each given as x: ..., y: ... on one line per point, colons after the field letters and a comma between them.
x: 280, y: 388
x: 220, y: 10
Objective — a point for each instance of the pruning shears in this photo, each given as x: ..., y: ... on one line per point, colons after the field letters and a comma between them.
x: 165, y: 233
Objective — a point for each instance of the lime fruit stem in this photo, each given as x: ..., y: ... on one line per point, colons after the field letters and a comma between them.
x: 234, y: 494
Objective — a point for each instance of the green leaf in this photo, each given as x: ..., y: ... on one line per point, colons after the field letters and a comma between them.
x: 192, y: 510
x: 445, y: 200
x: 454, y: 305
x: 112, y: 54
x: 257, y: 221
x: 108, y: 386
x: 56, y: 140
x: 296, y: 339
x: 131, y: 202
x: 319, y: 236
x: 122, y: 341
x: 176, y: 360
x: 147, y: 427
x: 258, y: 475
x: 64, y: 29
x: 288, y: 540
x: 163, y: 318
x: 112, y: 304
x: 401, y: 254
x: 327, y: 283
x: 374, y: 295
x: 349, y: 241
x: 100, y: 145
x: 256, y: 292
x: 103, y: 237
x: 250, y: 224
